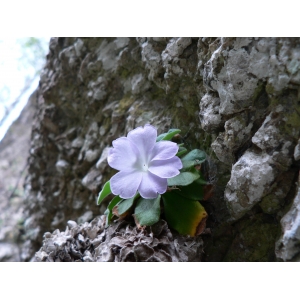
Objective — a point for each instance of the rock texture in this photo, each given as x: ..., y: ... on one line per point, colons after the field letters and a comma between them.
x: 120, y: 242
x: 287, y: 247
x: 14, y: 150
x: 235, y: 98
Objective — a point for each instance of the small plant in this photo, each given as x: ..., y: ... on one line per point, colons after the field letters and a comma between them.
x: 156, y: 176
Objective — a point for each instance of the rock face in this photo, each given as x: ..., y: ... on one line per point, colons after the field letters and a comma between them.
x: 235, y: 98
x: 14, y: 150
x: 287, y: 247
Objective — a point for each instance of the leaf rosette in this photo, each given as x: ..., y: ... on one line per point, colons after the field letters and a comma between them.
x: 156, y: 177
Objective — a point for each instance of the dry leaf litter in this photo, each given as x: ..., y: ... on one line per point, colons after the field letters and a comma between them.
x: 120, y: 242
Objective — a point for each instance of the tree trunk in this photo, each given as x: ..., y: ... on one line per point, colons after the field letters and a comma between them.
x: 235, y: 98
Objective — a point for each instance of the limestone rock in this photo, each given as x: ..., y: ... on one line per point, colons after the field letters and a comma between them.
x: 287, y: 247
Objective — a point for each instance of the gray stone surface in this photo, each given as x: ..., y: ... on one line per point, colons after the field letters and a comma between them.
x: 235, y: 98
x: 14, y: 151
x: 287, y: 247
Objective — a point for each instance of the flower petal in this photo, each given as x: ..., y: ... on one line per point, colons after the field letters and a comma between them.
x: 151, y: 185
x: 144, y: 138
x: 164, y: 150
x: 166, y: 168
x: 123, y: 156
x: 125, y: 183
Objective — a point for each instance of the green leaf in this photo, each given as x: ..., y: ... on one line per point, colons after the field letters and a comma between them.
x: 125, y: 205
x: 114, y: 202
x: 195, y: 154
x: 181, y: 214
x: 104, y: 192
x: 190, y: 163
x: 168, y: 135
x: 187, y: 164
x: 110, y: 207
x: 147, y: 211
x: 184, y: 178
x: 193, y: 158
x: 181, y: 151
x: 193, y: 191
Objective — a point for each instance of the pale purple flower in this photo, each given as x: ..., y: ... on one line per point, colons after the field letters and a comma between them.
x: 144, y: 165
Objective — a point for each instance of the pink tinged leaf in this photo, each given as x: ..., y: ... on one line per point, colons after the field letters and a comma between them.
x: 144, y: 138
x: 123, y: 156
x: 164, y: 150
x: 166, y: 168
x: 151, y: 185
x: 126, y: 183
